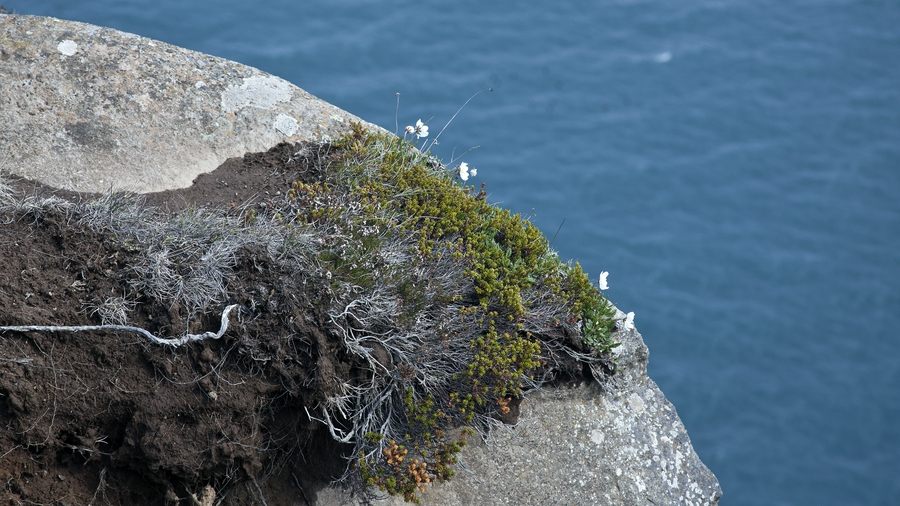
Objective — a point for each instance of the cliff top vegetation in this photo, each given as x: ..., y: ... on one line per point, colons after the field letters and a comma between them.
x: 373, y: 307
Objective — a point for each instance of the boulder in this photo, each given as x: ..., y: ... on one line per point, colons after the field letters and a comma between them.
x: 87, y: 108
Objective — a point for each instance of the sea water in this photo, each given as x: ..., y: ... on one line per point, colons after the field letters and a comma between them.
x: 734, y: 165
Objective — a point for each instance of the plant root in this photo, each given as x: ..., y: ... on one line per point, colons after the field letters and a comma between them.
x: 173, y: 342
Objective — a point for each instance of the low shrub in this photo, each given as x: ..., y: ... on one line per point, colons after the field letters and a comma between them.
x: 470, y: 302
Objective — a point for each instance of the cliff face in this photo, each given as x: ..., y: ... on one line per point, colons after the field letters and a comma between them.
x: 87, y: 108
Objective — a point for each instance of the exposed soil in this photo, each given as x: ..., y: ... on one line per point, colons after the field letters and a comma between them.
x: 103, y: 417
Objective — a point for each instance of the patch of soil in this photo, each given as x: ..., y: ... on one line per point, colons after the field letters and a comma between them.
x: 103, y: 417
x: 242, y: 183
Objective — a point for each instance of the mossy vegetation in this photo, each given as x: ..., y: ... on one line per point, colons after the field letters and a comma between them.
x: 469, y: 300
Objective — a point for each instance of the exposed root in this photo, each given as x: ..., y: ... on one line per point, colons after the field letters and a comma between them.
x: 173, y: 342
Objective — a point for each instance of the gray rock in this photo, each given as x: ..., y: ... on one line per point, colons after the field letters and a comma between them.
x: 617, y: 444
x: 88, y: 108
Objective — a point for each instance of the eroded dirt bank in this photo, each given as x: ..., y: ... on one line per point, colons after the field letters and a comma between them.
x: 106, y: 417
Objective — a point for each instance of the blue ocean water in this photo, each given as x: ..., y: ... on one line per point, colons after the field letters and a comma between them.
x: 734, y: 164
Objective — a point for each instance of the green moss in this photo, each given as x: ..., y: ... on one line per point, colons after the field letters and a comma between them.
x: 479, y: 348
x: 506, y: 253
x: 496, y: 372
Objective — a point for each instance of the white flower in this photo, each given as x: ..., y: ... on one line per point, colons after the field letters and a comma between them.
x: 410, y: 130
x: 464, y: 171
x: 474, y: 172
x: 629, y: 321
x: 421, y: 129
x: 603, y: 285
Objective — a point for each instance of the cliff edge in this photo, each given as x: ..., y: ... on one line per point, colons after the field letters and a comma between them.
x: 89, y: 109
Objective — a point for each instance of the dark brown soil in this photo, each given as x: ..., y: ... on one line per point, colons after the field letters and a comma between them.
x: 101, y: 417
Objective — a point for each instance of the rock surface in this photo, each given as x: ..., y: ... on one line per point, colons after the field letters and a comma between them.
x: 88, y: 108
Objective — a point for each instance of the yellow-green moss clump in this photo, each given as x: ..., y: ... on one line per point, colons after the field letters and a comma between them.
x: 456, y: 306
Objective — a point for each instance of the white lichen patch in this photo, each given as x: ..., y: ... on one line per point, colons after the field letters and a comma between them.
x: 258, y: 91
x: 144, y: 102
x: 597, y: 436
x: 636, y: 403
x: 286, y: 125
x: 641, y: 486
x: 67, y: 47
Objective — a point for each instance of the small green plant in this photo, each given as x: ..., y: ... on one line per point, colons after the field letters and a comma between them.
x: 497, y: 369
